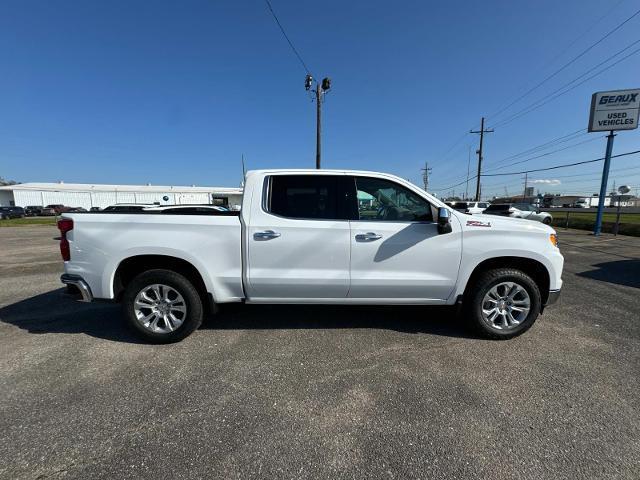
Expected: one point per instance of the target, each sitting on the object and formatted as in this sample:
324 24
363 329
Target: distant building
588 201
96 195
528 192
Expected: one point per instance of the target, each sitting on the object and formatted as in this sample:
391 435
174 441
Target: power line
558 166
275 17
543 146
618 170
595 175
453 186
551 143
570 62
548 153
549 98
538 169
573 60
579 37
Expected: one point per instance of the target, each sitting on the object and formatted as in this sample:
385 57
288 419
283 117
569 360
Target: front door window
382 200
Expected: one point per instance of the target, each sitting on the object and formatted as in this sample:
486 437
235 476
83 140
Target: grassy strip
581 223
632 218
19 222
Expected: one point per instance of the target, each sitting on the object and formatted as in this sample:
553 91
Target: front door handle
265 235
368 237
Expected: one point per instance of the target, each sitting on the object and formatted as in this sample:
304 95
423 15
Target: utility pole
320 90
466 188
524 193
482 131
425 175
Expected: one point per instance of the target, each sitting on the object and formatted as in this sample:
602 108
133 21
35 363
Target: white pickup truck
313 236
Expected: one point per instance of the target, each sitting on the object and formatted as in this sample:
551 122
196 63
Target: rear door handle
368 237
265 235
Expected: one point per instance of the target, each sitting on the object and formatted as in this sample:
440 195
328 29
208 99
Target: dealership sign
615 110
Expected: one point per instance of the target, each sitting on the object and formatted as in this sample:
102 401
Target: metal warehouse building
87 196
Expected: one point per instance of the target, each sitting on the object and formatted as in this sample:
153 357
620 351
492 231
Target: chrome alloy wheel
505 306
160 308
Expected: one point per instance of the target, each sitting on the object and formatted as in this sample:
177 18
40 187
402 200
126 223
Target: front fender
553 264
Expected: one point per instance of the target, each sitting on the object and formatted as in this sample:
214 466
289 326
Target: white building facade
88 195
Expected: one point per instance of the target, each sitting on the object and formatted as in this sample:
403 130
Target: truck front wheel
162 306
503 303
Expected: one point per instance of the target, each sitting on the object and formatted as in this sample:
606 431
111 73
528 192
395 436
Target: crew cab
313 237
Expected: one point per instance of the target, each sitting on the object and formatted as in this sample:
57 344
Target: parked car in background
47 212
473 208
11 212
582 203
58 208
76 210
128 207
95 209
459 206
33 211
188 209
477 207
519 210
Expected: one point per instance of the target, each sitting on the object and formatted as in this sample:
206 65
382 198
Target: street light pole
319 92
318 124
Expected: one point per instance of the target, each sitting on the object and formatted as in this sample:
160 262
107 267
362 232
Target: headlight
553 238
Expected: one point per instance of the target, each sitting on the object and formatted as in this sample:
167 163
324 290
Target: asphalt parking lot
321 392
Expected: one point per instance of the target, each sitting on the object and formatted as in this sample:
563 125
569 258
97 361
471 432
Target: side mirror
444 226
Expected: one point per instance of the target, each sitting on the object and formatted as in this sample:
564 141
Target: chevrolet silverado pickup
313 237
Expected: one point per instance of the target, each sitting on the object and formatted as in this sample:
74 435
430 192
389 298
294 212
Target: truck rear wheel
162 306
503 303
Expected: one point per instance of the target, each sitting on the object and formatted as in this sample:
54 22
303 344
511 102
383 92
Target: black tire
476 294
194 314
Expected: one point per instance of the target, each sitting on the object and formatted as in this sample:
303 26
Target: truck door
298 239
396 251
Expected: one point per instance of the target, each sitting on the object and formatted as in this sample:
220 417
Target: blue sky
167 92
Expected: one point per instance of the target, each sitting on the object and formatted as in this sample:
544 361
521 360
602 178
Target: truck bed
99 242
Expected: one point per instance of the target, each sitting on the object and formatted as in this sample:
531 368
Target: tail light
65 225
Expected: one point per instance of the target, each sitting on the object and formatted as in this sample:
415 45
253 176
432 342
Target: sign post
610 111
603 186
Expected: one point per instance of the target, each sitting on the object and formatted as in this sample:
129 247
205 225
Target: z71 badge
477 223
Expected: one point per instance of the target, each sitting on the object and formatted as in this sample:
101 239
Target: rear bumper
78 282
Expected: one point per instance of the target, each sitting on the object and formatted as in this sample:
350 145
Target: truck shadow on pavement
55 312
620 272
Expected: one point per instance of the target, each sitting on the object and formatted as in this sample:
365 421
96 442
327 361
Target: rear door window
313 197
